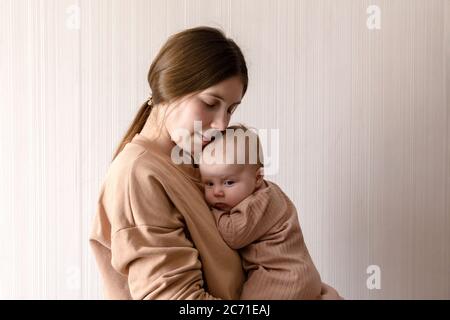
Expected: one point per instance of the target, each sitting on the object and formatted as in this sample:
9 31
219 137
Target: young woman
154 236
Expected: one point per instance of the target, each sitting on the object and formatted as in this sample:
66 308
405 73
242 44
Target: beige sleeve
153 251
241 226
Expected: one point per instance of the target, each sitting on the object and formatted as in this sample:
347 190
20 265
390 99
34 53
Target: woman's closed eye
210 104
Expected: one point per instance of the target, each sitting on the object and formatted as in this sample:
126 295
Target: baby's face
228 184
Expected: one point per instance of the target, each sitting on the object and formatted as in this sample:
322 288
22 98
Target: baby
256 217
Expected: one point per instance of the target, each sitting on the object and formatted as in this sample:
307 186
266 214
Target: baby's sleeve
242 225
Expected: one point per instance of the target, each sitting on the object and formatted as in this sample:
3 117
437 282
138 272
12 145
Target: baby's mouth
221 206
205 140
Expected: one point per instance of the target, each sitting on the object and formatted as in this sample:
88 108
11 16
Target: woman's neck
156 132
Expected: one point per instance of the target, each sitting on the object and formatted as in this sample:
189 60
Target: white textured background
363 118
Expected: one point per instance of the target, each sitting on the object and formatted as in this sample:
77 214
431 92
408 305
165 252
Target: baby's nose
218 192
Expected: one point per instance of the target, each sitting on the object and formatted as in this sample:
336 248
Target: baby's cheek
241 193
208 196
234 196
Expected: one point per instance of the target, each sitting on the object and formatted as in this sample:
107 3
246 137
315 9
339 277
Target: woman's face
212 106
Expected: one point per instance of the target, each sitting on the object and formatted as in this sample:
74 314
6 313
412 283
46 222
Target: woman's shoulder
133 162
141 159
134 192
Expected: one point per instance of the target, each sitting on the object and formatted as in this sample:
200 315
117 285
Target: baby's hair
250 135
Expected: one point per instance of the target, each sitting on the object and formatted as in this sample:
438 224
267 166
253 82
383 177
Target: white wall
363 118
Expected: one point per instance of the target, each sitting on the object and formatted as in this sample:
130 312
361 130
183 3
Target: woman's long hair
192 60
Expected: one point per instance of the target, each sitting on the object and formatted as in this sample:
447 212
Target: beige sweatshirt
153 235
265 229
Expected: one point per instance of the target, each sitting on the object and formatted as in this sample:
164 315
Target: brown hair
190 61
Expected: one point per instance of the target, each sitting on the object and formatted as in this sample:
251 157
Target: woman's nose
220 121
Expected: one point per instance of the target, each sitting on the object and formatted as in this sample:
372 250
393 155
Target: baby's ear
259 177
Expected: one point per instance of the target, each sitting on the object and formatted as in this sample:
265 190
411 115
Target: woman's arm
149 246
160 263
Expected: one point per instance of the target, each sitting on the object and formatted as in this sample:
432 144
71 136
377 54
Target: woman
153 235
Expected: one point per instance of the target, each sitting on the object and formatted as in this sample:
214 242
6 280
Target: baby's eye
228 183
209 184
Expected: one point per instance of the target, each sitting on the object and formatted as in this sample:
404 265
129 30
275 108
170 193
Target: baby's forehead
221 170
234 148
